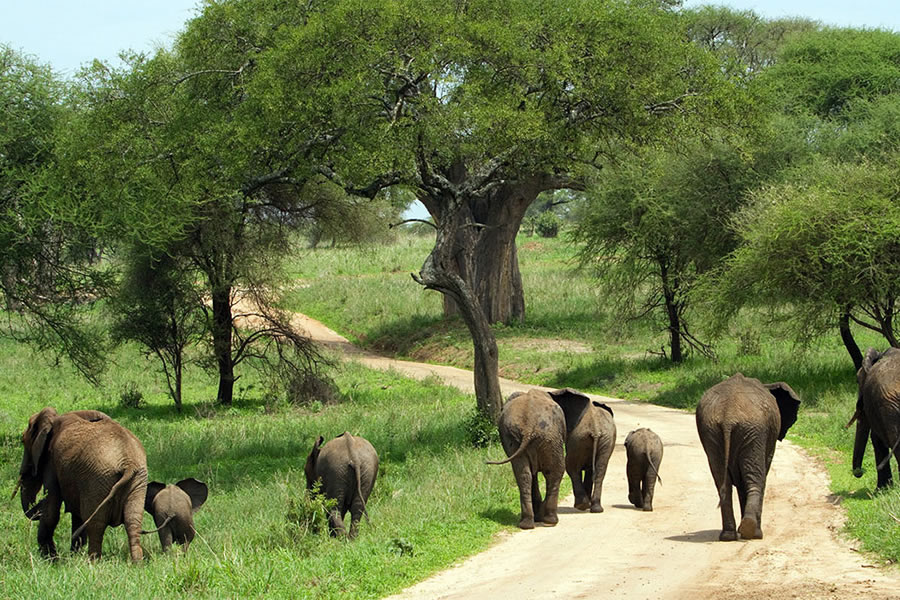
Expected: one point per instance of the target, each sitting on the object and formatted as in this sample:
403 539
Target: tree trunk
454 253
221 332
177 369
486 256
673 313
849 341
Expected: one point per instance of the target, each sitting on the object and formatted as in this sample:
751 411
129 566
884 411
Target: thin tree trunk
178 363
222 332
849 342
672 311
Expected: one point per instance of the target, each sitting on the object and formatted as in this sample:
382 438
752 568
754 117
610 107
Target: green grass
571 337
434 501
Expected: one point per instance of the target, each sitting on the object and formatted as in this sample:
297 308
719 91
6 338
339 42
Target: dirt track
672 552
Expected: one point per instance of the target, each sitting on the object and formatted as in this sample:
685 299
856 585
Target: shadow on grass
503 516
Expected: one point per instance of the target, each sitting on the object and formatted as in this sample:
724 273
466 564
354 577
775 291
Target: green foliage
547 224
131 397
307 515
481 430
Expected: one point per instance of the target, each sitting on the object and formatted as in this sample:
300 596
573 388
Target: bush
131 397
307 515
548 224
480 430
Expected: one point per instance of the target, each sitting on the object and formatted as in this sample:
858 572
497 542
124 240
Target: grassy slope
570 338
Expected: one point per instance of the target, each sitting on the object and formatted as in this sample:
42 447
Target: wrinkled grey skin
533 433
94 465
347 467
590 439
173 508
644 452
878 412
739 420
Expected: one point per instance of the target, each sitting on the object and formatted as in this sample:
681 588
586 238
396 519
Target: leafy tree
47 274
654 225
176 155
479 107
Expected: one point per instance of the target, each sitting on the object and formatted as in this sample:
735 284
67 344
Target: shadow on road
697 537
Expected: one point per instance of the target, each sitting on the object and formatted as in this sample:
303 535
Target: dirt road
671 553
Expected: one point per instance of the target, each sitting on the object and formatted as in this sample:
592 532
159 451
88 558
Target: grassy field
572 338
435 500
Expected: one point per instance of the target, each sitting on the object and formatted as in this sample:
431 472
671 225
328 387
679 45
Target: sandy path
672 552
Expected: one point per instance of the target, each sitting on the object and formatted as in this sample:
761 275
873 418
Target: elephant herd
98 468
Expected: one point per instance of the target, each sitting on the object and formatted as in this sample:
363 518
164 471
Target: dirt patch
552 345
531 246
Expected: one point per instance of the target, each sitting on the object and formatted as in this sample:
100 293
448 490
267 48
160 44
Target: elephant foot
728 536
749 529
596 508
550 520
647 508
583 505
526 523
636 500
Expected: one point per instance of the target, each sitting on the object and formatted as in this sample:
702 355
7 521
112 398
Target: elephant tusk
852 420
16 489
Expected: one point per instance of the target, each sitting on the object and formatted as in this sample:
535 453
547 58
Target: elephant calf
173 508
346 467
739 420
644 451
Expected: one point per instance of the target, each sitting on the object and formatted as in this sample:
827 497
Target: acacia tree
47 274
812 243
479 107
177 159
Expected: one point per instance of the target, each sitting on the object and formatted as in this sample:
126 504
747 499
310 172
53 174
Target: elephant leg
881 454
357 508
551 504
336 523
81 540
165 538
729 530
524 480
751 489
599 474
95 532
648 485
537 503
133 521
47 526
634 484
582 499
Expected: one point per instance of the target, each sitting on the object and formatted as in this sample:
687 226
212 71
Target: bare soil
672 552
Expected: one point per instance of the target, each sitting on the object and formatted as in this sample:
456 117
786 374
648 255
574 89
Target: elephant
739 420
533 433
644 452
173 508
878 412
590 439
346 467
93 464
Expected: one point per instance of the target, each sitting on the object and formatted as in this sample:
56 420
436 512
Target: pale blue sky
68 34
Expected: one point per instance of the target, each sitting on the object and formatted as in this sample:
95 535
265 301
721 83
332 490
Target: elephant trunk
30 484
859 444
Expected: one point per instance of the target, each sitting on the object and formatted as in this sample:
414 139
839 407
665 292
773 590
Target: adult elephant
346 467
878 412
739 421
94 465
533 433
590 439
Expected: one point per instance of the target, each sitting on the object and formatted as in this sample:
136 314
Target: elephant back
881 378
534 419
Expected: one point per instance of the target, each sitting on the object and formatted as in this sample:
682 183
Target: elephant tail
888 456
356 472
522 447
166 522
726 442
126 478
655 470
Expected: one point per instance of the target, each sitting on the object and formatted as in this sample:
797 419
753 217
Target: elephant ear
153 488
310 468
197 491
788 405
604 407
39 432
573 403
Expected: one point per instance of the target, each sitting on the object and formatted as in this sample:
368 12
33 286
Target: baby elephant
173 508
347 467
644 451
